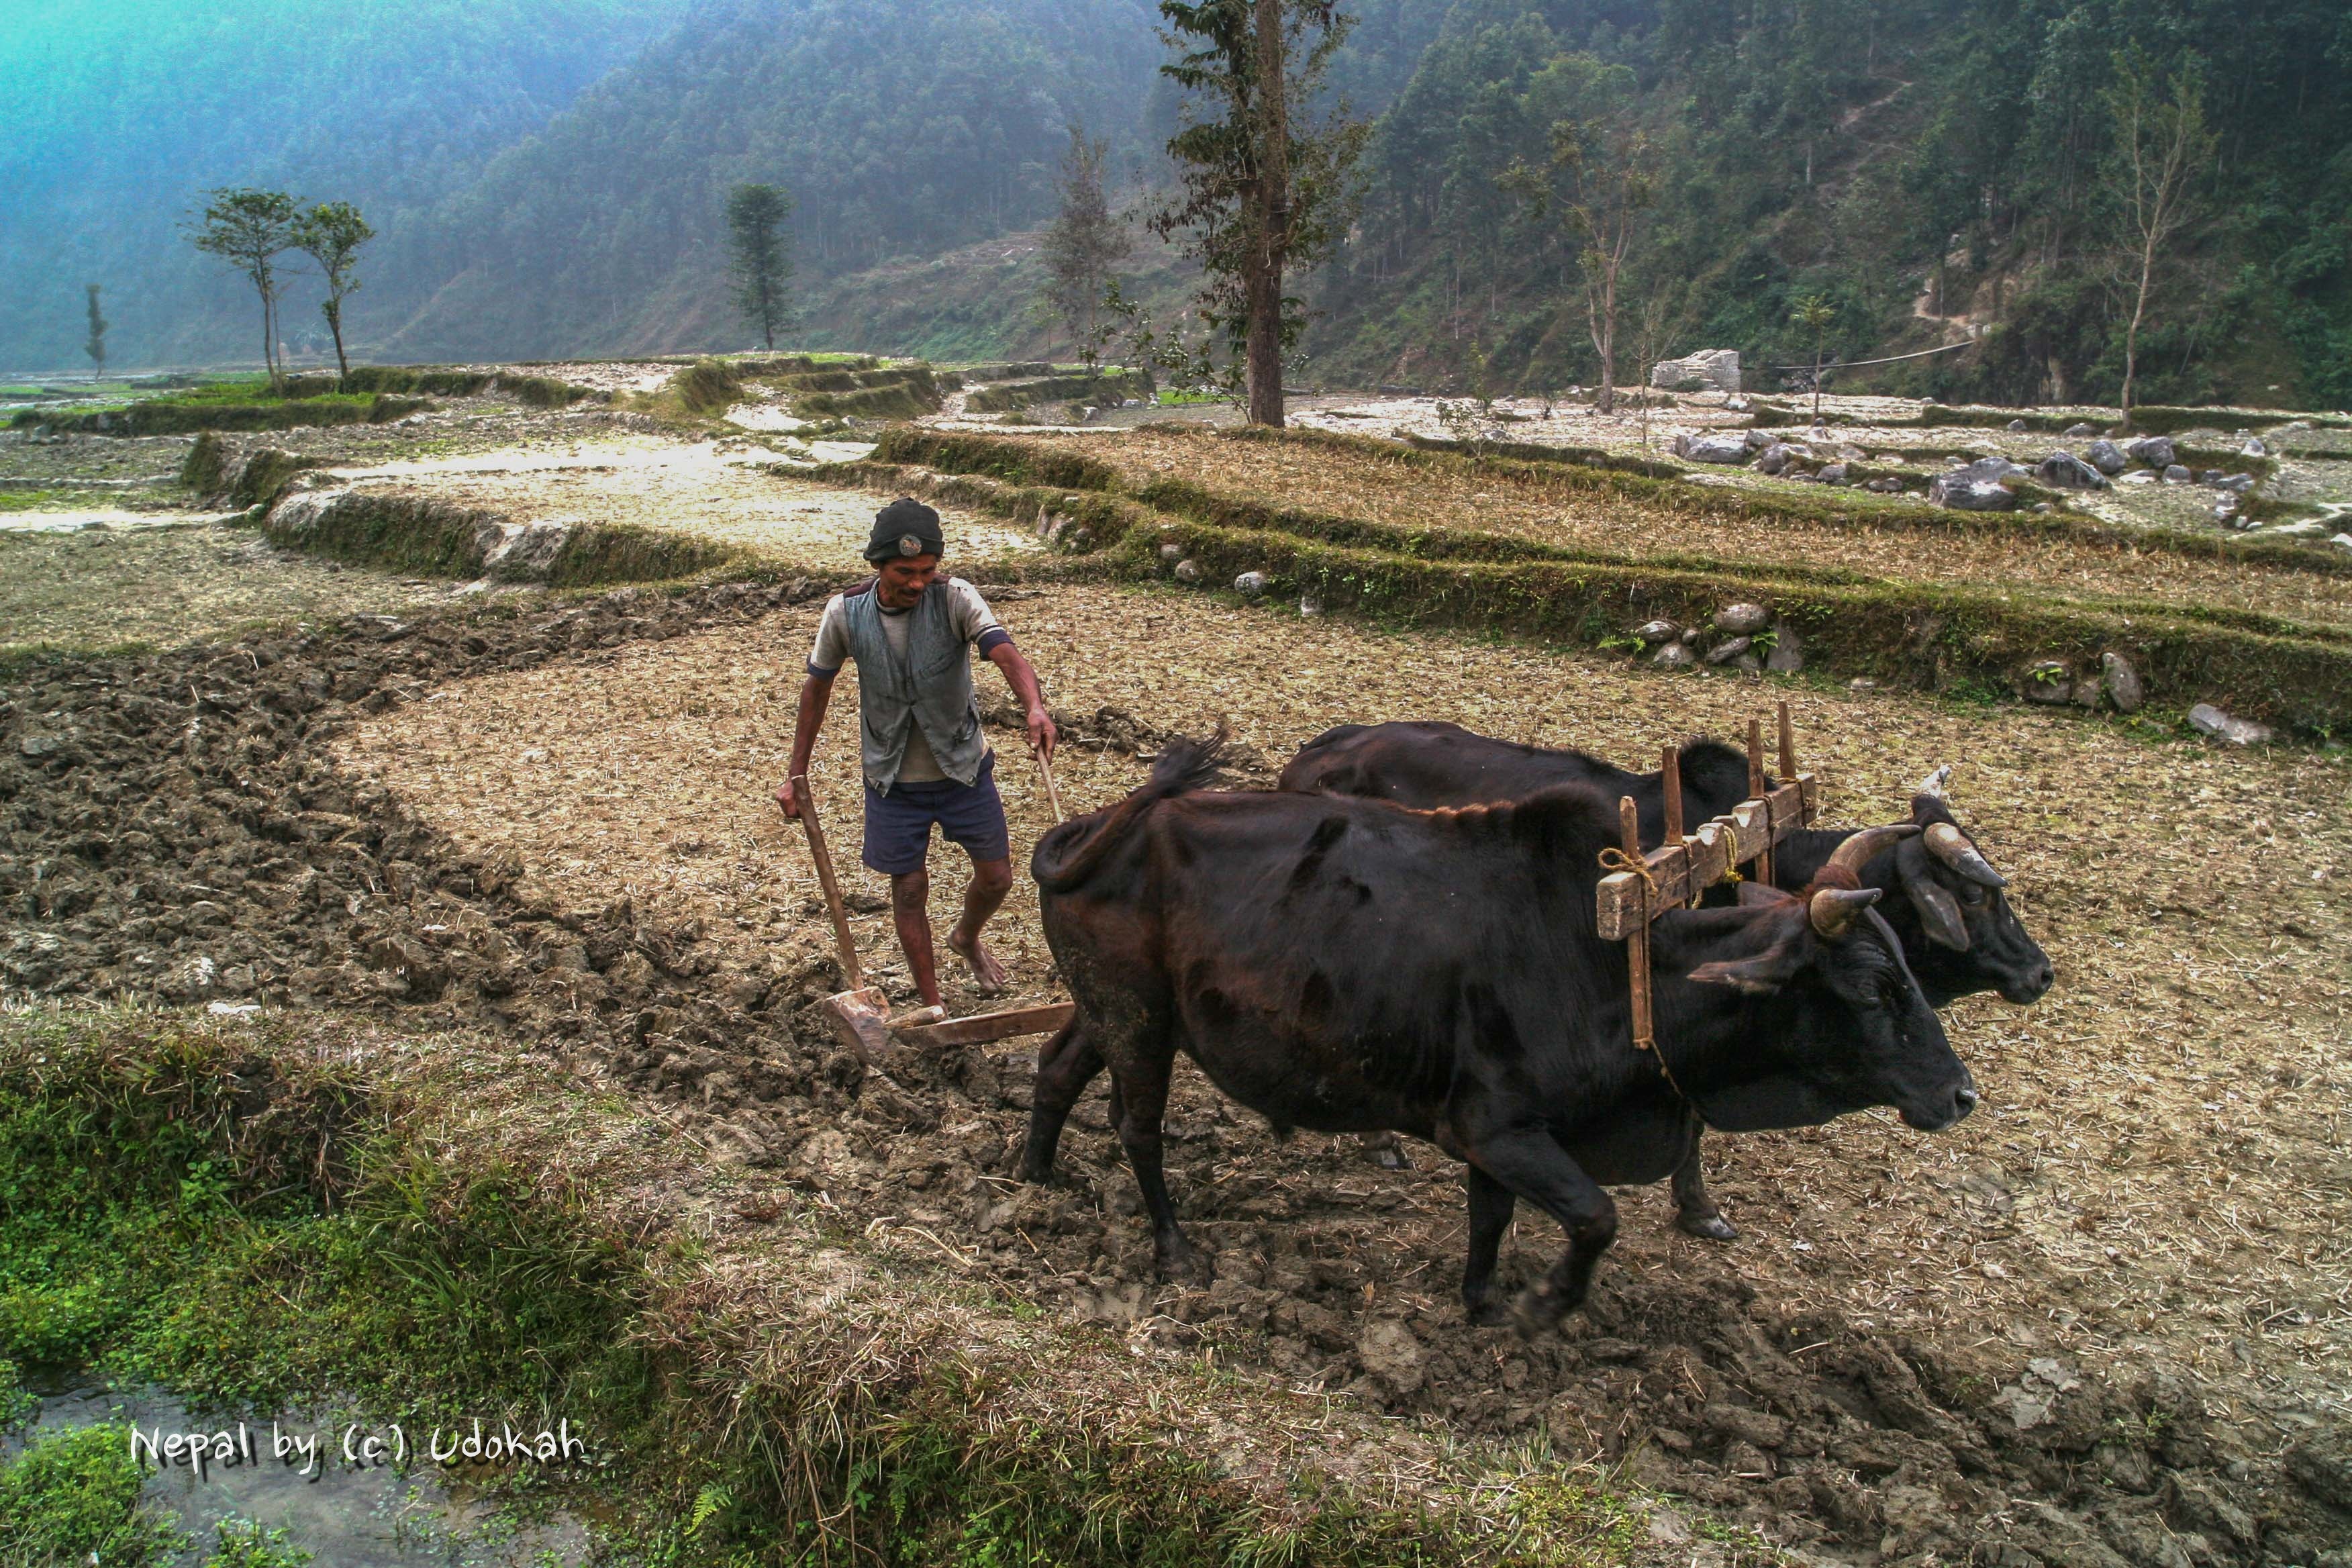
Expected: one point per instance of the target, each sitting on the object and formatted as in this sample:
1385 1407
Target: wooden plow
857 1015
1645 884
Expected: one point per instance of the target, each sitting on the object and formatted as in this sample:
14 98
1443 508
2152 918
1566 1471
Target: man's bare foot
987 974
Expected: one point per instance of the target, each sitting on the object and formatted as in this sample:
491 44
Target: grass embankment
416 533
431 1230
246 404
854 387
1585 576
1091 386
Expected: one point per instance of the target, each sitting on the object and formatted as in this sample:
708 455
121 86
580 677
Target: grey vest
932 686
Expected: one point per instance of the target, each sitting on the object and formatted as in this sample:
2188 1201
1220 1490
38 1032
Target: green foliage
247 1543
1083 244
1876 154
760 256
95 347
1222 156
72 1498
331 234
250 230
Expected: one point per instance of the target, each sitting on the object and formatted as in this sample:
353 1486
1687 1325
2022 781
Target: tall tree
1085 241
1602 175
1813 315
1264 184
331 234
762 261
96 347
2161 145
250 230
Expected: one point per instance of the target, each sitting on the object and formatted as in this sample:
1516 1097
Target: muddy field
135 580
2108 1318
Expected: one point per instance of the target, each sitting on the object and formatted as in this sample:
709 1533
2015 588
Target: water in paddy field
347 1514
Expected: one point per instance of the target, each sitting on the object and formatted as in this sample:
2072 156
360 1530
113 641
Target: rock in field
1728 649
2078 431
1787 655
2156 451
1250 583
2122 682
2236 484
1675 656
2068 471
2207 720
1742 619
1773 458
2049 681
1957 490
1715 368
2179 474
2106 457
1835 474
1188 570
1711 449
1655 632
1171 554
2017 427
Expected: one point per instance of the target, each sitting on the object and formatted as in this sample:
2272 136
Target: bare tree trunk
2131 334
1263 288
335 325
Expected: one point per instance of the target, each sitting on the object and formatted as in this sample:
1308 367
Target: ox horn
1833 910
1949 845
1868 844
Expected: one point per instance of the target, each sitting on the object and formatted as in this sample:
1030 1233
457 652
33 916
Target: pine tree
96 346
762 262
1084 243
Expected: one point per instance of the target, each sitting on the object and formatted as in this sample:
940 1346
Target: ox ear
1939 912
1927 810
1760 894
1759 976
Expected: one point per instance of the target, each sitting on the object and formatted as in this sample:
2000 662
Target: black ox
1350 965
1959 933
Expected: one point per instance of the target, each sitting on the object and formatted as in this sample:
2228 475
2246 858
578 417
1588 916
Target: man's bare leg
991 881
911 894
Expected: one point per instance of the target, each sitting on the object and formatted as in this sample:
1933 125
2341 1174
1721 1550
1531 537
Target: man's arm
1023 681
816 691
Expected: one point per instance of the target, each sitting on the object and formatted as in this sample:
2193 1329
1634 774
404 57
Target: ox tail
1067 856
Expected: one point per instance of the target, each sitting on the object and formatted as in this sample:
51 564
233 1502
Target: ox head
1958 927
1848 1025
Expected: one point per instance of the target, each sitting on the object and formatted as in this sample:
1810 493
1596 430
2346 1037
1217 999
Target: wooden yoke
1641 887
1637 937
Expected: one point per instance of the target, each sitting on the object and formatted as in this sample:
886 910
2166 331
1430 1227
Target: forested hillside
1927 166
902 128
120 112
549 179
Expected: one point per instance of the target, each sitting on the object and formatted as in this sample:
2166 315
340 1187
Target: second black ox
1350 965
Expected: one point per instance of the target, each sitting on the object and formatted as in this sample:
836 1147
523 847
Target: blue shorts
898 825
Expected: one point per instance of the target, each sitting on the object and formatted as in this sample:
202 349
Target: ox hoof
1709 1226
1537 1312
1182 1264
1386 1150
1490 1313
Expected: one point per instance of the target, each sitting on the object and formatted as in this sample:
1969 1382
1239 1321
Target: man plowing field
911 632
